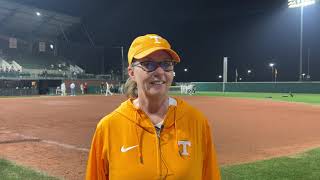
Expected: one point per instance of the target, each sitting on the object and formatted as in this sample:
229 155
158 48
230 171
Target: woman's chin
157 92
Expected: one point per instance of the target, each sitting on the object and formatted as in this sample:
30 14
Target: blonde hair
130 88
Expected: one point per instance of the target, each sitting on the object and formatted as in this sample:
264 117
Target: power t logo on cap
156 37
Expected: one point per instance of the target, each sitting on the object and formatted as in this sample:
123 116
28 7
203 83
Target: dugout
18 87
44 86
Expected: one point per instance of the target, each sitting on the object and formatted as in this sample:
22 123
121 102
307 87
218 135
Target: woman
151 135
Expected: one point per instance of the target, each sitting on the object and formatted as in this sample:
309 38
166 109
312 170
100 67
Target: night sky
251 33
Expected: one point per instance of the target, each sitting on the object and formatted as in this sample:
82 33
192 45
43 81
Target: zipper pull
158 130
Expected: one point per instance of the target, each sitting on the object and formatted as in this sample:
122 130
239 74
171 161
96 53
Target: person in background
58 90
63 89
152 135
108 91
82 88
85 88
102 88
73 89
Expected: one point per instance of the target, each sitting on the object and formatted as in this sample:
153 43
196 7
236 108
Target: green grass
11 171
297 97
304 166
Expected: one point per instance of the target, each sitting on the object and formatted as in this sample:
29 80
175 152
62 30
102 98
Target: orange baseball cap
142 46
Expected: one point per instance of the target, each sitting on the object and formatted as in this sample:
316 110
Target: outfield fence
18 92
274 87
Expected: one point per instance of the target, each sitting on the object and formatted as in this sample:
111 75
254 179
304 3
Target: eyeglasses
150 66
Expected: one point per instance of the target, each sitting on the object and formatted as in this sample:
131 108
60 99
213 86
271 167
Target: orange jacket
126 146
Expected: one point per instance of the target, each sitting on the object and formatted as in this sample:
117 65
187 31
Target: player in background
63 89
108 91
82 88
73 89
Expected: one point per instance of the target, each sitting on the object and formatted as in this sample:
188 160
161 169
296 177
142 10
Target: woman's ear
131 72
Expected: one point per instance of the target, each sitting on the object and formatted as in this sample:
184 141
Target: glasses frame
142 65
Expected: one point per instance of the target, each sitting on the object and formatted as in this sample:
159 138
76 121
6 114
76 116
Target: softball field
53 134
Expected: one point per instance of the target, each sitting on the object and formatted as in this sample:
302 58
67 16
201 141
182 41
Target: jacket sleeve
97 167
211 169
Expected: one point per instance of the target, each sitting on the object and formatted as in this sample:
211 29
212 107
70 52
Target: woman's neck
153 105
155 108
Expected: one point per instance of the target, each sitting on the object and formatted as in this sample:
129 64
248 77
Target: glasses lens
150 66
166 65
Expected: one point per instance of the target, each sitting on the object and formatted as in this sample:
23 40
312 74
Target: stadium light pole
122 62
308 75
271 65
301 4
249 75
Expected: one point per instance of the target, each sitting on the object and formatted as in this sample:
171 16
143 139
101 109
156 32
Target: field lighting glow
300 3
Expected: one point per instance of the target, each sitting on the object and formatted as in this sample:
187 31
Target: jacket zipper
158 139
159 143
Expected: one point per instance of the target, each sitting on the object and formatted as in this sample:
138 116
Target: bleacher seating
37 62
18 65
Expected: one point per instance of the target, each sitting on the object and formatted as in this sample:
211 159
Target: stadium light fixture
303 74
38 13
300 3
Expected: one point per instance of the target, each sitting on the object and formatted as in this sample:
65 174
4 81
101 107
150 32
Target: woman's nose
159 70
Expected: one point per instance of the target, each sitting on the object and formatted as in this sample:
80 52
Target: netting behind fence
276 87
175 90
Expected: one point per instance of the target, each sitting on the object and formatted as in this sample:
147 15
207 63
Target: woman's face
153 83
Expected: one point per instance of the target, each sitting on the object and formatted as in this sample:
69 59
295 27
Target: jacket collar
136 115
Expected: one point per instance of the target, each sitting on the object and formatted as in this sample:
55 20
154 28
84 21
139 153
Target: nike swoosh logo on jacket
125 149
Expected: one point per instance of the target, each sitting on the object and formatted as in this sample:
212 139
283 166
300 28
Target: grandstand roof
28 20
